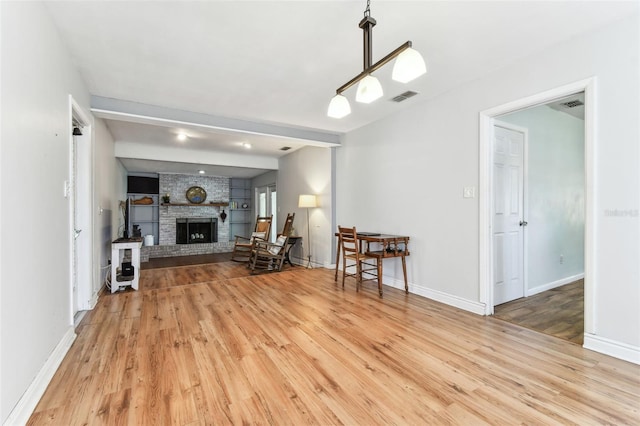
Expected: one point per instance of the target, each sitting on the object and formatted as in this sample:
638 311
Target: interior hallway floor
558 312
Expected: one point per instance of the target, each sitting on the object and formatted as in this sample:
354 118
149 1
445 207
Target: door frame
85 297
487 119
525 199
269 207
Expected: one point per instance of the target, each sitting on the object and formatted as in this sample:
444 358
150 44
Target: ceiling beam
117 109
192 156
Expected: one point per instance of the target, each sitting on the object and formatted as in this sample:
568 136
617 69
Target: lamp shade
408 66
307 201
339 107
369 89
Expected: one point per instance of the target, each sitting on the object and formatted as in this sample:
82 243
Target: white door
75 226
508 216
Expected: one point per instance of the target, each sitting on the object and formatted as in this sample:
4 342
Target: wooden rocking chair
268 256
243 245
288 225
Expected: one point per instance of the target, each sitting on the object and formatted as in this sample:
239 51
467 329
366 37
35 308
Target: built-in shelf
239 218
197 205
145 216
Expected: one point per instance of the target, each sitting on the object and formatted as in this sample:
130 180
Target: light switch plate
469 192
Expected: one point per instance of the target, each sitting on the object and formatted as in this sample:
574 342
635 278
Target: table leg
337 260
287 259
404 271
379 265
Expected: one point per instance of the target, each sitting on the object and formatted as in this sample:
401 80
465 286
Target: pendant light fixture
408 66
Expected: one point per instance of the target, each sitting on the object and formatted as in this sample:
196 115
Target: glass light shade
369 89
408 66
339 107
307 201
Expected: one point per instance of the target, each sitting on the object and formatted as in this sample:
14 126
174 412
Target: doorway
488 120
545 241
79 191
266 202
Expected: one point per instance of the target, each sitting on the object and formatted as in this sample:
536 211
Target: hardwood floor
558 312
196 346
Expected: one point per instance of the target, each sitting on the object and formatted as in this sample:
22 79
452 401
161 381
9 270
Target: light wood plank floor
197 346
558 312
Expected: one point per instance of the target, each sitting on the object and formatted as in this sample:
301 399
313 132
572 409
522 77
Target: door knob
523 223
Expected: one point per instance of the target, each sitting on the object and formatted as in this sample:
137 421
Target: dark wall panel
143 185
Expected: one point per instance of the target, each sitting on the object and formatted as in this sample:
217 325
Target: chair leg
344 271
379 267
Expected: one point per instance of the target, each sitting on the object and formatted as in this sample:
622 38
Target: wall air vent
404 96
572 104
285 148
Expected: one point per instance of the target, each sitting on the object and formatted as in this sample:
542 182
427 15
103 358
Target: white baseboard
25 406
552 285
612 348
439 296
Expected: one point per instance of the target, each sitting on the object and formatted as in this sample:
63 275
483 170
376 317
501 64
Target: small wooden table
387 246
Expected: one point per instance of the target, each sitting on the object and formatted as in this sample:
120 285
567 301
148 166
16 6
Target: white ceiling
280 62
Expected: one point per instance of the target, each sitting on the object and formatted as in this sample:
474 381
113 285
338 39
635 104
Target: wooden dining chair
243 245
364 265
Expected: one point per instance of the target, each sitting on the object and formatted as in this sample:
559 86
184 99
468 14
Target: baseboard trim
438 296
554 284
612 348
25 406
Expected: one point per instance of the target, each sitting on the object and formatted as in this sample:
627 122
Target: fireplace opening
196 230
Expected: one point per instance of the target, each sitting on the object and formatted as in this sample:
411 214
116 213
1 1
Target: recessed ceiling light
182 137
201 172
246 145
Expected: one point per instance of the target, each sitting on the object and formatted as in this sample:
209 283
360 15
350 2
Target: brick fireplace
217 189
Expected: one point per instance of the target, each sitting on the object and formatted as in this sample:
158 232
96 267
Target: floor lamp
308 202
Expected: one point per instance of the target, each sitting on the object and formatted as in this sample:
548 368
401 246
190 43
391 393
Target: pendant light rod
372 68
367 25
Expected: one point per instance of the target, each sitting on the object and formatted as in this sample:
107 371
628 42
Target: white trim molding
552 285
25 406
612 348
436 295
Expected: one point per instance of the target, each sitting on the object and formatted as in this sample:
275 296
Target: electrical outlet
561 259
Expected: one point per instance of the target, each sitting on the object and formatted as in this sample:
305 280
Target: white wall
405 174
308 171
37 78
109 175
555 197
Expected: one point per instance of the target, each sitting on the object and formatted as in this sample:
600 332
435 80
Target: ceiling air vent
404 96
572 104
285 148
